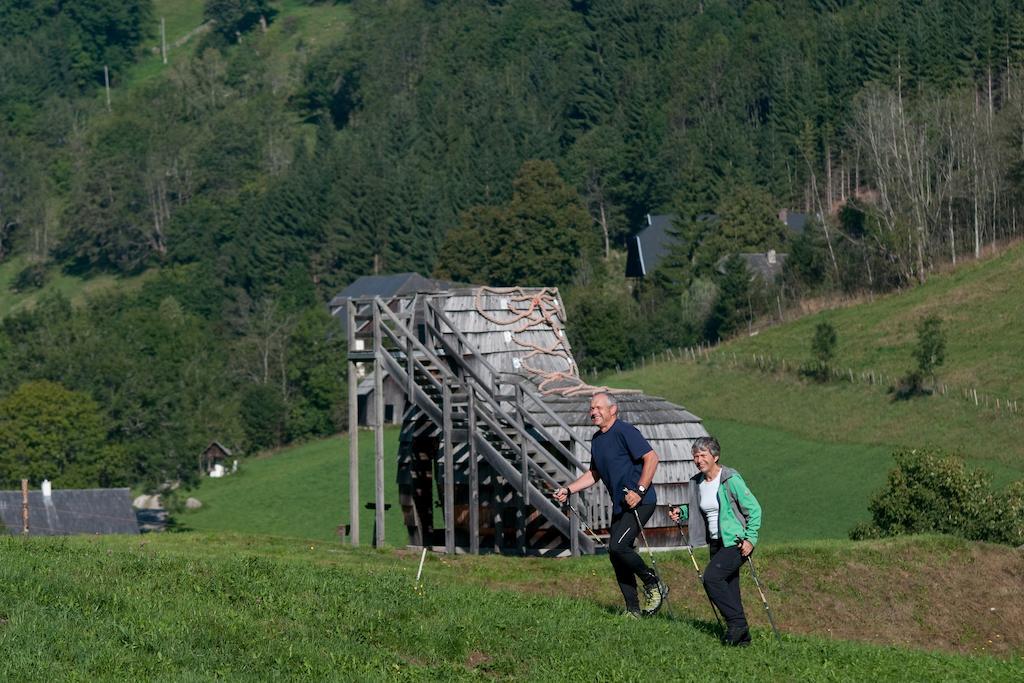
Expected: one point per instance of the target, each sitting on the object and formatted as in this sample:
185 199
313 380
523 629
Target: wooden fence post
24 507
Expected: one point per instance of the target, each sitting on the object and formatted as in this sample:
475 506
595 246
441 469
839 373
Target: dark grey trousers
722 580
625 560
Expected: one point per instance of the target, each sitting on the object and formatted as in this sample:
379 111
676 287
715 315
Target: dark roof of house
70 511
386 287
218 446
646 249
794 220
767 266
389 285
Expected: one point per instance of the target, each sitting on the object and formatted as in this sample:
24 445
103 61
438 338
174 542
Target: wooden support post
449 468
106 83
378 425
474 476
410 369
353 453
24 507
353 433
524 474
498 509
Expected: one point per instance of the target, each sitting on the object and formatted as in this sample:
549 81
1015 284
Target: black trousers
625 560
722 580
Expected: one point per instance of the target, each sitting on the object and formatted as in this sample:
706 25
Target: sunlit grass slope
75 288
300 492
980 304
195 607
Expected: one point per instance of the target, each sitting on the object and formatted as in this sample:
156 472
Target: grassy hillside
75 288
298 27
196 606
300 492
303 492
979 303
985 329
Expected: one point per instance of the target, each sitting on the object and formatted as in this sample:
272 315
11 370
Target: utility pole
24 507
163 39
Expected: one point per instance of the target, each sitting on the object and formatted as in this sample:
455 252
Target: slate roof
396 284
766 266
385 286
646 249
70 511
796 221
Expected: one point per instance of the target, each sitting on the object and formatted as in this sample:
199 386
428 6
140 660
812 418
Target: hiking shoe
631 614
655 594
737 637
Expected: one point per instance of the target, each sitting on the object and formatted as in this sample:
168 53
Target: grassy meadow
300 492
198 607
75 288
303 492
298 26
978 302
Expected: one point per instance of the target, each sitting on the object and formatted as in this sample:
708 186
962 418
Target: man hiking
624 460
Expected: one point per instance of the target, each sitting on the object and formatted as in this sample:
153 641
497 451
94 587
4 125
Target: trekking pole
569 505
644 538
662 589
700 575
654 563
764 601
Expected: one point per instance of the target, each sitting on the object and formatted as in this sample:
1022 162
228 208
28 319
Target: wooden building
213 455
498 417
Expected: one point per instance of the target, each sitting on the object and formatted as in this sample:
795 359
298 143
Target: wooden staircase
481 420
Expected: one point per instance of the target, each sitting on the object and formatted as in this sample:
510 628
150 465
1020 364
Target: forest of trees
514 142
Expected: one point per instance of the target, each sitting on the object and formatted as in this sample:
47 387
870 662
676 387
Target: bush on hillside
932 493
929 353
29 278
823 350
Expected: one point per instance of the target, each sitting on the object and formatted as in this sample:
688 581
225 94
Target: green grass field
833 414
201 607
979 304
298 26
807 489
75 288
301 492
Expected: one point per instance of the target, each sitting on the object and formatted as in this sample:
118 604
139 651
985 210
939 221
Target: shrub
929 353
931 493
29 278
823 351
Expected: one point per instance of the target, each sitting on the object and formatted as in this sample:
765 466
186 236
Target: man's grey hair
610 397
707 444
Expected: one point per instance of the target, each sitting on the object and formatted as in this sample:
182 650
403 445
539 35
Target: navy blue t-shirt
617 455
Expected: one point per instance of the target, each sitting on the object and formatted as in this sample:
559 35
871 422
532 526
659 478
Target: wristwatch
642 489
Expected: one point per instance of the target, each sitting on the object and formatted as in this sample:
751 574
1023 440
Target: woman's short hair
707 444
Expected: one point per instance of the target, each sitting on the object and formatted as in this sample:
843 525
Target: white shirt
709 502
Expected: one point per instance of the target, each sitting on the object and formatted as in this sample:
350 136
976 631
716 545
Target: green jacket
739 513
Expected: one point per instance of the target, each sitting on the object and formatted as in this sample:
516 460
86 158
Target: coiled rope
542 309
